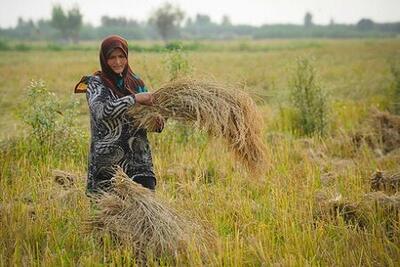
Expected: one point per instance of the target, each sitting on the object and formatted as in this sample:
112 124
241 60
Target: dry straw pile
65 179
388 182
381 131
216 109
387 127
379 207
373 207
135 217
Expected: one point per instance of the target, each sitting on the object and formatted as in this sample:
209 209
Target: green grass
265 220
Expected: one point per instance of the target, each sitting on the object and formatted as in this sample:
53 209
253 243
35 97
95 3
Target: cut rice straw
135 217
220 111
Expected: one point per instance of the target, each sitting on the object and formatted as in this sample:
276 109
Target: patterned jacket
114 141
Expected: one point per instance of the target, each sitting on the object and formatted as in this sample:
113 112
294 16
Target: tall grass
395 94
258 222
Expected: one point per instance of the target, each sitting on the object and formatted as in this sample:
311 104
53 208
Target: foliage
59 20
4 46
365 25
41 111
309 100
52 123
54 47
167 19
199 27
176 61
308 20
68 24
74 23
22 47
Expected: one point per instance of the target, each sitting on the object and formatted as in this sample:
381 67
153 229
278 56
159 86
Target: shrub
4 46
136 48
23 47
309 100
41 111
172 46
176 63
54 47
52 124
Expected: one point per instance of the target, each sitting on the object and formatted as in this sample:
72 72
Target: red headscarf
109 77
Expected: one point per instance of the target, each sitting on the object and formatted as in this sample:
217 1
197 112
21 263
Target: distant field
258 220
355 70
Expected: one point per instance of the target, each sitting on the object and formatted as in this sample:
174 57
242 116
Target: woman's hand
160 123
156 124
145 99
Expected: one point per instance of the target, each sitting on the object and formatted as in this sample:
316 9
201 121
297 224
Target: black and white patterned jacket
114 141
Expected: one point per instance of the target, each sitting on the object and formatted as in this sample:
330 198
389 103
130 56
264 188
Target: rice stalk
136 218
219 111
373 208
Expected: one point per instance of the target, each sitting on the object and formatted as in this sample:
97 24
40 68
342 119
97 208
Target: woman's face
117 61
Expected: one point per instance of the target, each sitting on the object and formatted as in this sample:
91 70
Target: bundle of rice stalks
388 203
135 217
387 127
220 111
384 210
382 132
372 208
331 208
65 179
385 181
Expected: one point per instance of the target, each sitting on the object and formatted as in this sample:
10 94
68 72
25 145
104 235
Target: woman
114 141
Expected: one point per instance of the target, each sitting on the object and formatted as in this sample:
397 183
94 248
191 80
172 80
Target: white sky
253 12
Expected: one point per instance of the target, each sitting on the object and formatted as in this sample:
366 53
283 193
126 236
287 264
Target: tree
365 25
59 21
74 23
226 21
107 21
308 20
189 22
68 24
167 20
202 19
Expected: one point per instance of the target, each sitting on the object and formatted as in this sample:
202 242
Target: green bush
177 64
136 48
41 111
53 125
23 47
54 47
173 46
4 46
309 101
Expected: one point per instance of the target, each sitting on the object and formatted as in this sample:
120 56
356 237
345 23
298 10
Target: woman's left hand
144 99
159 124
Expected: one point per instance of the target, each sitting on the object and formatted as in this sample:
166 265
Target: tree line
168 22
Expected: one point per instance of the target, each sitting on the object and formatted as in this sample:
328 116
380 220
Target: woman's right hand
145 99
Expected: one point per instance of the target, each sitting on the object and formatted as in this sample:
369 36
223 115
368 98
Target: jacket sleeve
101 104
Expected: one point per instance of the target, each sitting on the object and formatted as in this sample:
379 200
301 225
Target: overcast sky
253 12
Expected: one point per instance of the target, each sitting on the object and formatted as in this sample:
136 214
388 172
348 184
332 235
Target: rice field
314 205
